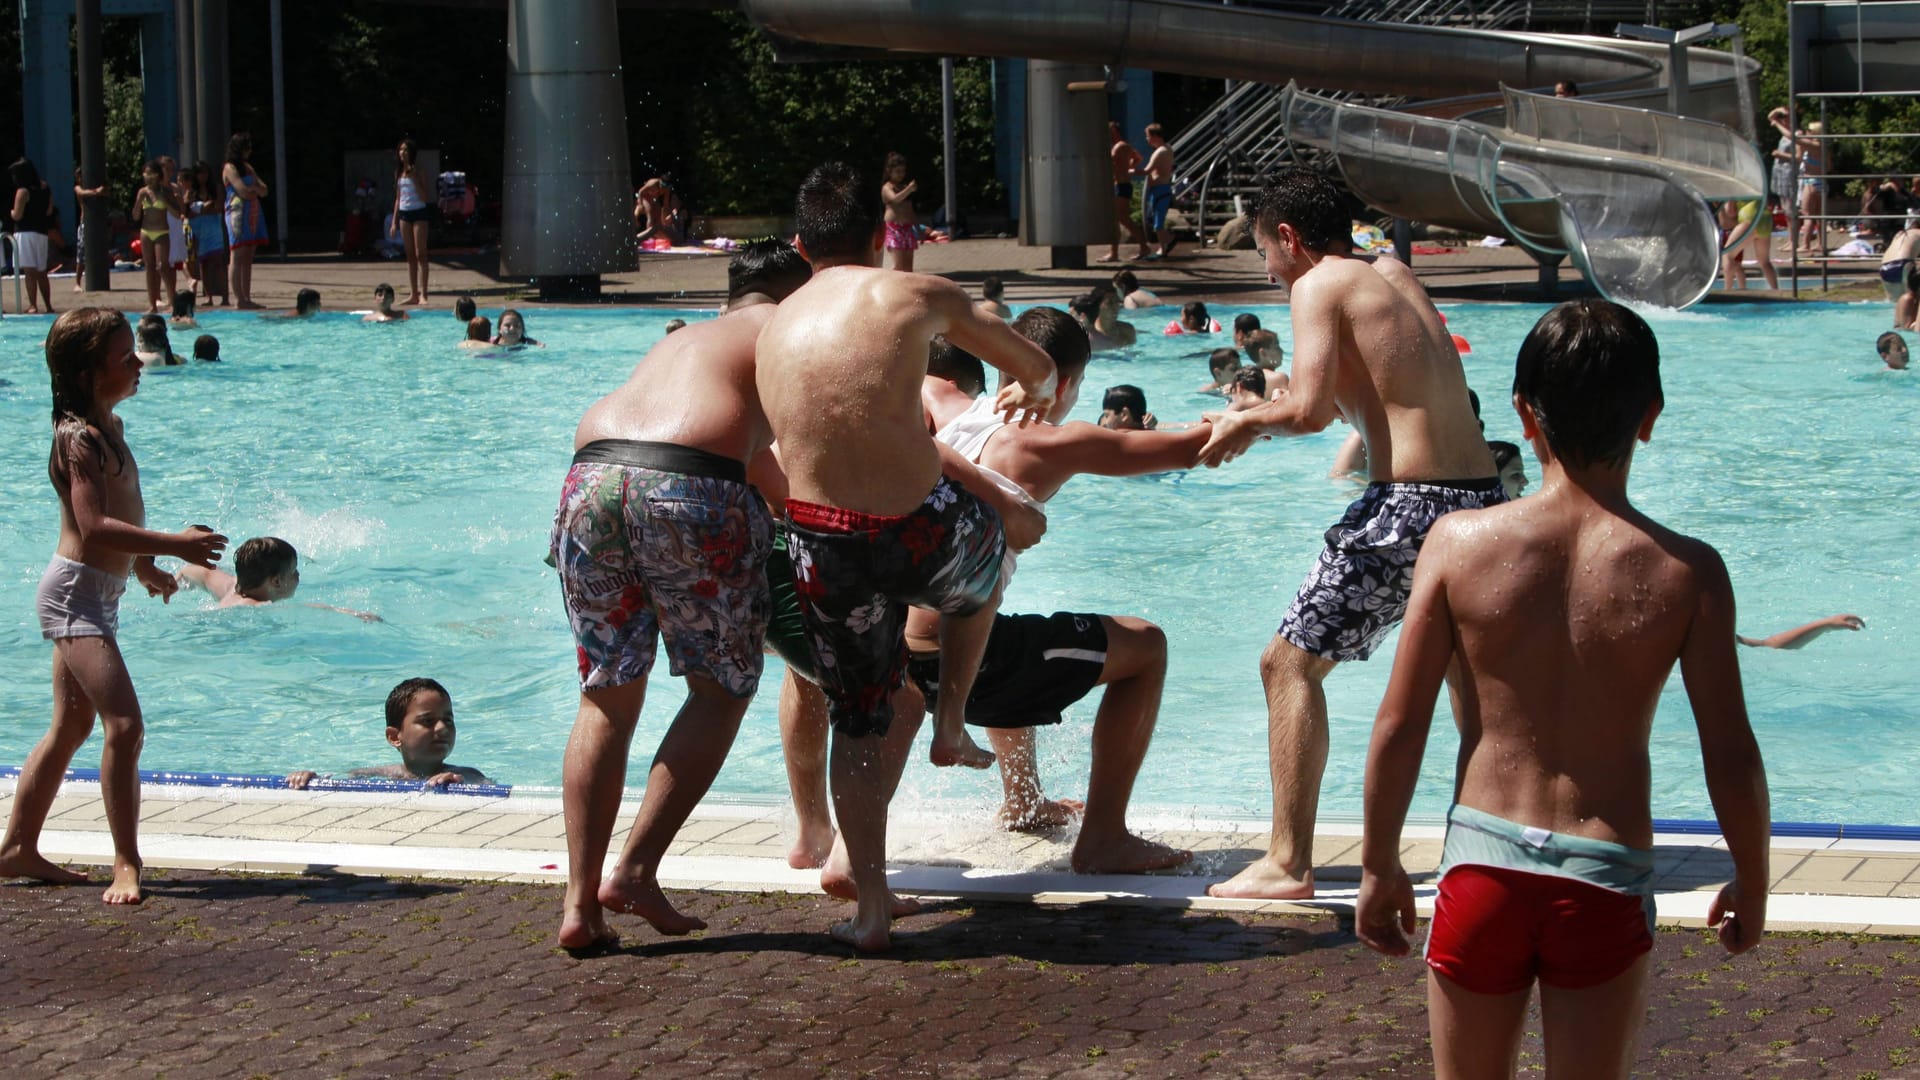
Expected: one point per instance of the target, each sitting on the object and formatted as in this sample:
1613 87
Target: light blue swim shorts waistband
1477 838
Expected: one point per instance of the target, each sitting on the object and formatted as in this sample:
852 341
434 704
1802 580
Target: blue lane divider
267 780
1816 830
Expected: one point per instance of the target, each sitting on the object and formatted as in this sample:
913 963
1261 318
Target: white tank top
968 433
410 195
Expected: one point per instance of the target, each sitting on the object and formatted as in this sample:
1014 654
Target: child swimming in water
383 306
513 330
103 539
479 333
420 726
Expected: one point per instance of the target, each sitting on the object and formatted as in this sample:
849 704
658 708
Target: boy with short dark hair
1263 346
383 305
1127 286
1892 349
420 726
1547 869
266 569
206 347
1124 408
1223 365
991 292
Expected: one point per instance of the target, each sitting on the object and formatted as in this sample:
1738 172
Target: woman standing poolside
207 230
32 216
246 221
1813 188
410 214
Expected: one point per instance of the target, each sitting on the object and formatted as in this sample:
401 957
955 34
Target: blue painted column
1010 128
159 85
46 78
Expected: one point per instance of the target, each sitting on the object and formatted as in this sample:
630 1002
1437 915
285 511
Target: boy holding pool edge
1547 869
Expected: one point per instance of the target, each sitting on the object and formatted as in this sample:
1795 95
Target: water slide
1627 193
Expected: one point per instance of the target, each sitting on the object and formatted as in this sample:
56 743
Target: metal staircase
1226 152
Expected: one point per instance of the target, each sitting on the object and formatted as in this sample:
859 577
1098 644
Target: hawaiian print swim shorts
1357 591
642 550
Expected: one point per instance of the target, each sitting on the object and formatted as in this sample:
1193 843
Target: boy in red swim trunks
1568 610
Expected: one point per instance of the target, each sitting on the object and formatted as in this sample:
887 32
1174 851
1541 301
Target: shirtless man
1367 346
658 533
1562 653
1126 160
1158 198
872 523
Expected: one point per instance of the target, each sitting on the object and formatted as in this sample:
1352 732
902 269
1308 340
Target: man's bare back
694 389
1369 346
840 365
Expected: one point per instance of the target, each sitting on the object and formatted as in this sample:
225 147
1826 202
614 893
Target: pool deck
1843 886
1464 274
343 934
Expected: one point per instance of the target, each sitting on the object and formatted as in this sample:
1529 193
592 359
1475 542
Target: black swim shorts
1034 667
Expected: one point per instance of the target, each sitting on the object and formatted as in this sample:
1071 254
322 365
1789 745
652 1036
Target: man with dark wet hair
1370 347
872 521
766 267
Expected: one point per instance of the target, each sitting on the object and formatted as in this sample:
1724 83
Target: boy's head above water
306 302
266 568
420 724
1124 408
1893 350
1513 471
1589 375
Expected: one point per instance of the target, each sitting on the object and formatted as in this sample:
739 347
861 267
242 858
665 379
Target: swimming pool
418 481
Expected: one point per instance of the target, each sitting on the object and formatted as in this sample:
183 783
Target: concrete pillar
46 76
1067 199
212 120
93 140
189 149
159 86
567 186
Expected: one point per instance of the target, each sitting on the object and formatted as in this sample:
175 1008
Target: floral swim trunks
902 237
1357 591
856 574
653 538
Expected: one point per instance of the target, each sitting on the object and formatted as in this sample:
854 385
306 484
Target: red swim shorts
1496 930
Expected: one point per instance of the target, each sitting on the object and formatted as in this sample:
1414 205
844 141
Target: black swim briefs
1034 667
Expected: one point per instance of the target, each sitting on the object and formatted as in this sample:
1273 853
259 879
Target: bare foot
410 301
811 848
32 864
1264 880
585 928
248 305
960 751
863 938
125 888
1044 816
837 883
635 895
1107 258
1129 854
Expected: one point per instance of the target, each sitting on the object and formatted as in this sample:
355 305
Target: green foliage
126 137
740 130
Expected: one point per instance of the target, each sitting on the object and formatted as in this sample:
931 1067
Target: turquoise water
418 481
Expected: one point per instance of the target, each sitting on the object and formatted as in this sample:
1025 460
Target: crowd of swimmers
824 472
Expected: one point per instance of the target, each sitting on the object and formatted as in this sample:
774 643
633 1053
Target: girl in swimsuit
897 193
410 213
1813 188
151 206
246 221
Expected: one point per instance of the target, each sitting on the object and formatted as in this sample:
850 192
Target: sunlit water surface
418 481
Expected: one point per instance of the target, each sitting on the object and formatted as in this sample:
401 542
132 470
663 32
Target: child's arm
218 583
1023 525
87 495
1089 448
456 774
363 616
1383 914
1736 777
1800 635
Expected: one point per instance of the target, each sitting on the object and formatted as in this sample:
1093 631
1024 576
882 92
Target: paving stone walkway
321 976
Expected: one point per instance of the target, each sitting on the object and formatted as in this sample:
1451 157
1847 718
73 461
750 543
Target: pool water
418 481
